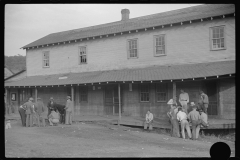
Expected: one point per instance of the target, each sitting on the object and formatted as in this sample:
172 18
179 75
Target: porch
215 123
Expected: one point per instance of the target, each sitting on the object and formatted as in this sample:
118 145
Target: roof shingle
138 74
176 16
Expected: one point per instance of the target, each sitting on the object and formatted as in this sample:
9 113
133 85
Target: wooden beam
72 96
36 95
174 91
119 98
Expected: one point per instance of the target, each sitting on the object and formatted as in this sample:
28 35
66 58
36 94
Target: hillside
15 63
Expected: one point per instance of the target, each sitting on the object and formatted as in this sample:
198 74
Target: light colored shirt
204 117
54 115
149 117
69 105
181 116
184 97
194 115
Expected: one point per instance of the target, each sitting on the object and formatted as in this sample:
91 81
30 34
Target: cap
51 98
170 101
31 99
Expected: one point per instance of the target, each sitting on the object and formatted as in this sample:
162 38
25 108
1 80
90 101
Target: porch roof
153 73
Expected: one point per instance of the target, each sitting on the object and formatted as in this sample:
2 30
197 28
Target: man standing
194 118
51 105
182 117
29 112
39 108
205 101
184 99
174 122
149 120
69 109
21 111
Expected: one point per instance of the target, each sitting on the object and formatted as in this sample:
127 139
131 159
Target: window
46 59
217 38
132 48
13 96
144 93
161 92
159 45
82 55
83 94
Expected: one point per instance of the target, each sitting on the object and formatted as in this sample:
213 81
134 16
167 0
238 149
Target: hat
31 99
170 101
68 97
200 110
51 98
192 104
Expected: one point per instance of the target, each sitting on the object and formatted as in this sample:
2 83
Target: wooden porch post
72 95
119 97
36 95
174 92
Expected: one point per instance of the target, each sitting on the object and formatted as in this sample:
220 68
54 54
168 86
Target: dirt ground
99 139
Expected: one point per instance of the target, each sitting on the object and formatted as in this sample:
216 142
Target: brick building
137 63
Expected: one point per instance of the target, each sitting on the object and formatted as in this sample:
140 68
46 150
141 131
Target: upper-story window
46 59
132 48
82 55
159 45
217 38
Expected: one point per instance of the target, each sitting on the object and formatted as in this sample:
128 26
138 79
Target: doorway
111 106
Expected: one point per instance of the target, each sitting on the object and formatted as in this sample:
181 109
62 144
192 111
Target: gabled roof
154 73
154 20
7 72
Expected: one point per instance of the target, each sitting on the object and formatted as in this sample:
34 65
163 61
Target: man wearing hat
51 106
29 112
195 119
39 109
69 109
205 102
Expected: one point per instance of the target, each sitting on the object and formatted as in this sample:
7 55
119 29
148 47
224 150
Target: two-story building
136 64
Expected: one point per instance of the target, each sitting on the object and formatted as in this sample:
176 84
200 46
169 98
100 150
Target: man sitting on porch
149 120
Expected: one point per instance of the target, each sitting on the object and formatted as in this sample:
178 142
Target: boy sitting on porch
149 120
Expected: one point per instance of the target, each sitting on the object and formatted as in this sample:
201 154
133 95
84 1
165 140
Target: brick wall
184 44
227 98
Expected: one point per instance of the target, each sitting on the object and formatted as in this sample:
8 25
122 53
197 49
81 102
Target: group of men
179 114
32 113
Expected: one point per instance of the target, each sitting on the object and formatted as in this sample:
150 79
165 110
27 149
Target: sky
26 23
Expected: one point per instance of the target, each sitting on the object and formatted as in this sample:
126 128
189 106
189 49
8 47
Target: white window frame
79 55
128 48
155 46
43 59
212 38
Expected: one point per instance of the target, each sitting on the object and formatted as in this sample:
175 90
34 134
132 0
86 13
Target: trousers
23 116
175 128
40 120
29 120
149 125
185 125
194 129
68 118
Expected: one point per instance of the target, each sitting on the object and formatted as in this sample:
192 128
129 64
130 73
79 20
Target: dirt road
98 140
